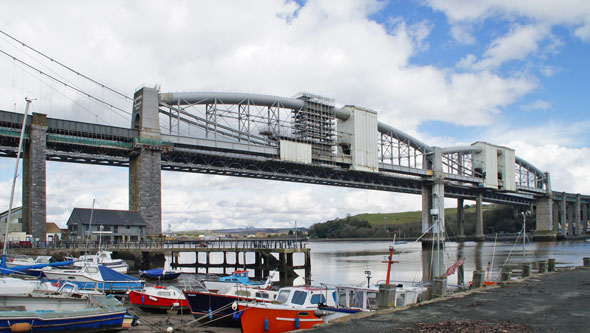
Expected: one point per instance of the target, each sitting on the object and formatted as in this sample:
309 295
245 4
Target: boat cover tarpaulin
112 275
24 268
154 272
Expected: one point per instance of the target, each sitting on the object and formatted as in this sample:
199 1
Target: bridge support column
433 204
479 236
570 218
34 179
563 214
585 218
555 207
545 230
460 222
144 165
577 213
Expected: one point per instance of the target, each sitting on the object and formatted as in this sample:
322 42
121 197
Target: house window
128 227
116 229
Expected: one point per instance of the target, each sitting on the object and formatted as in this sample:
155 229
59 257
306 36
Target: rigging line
66 98
70 69
65 84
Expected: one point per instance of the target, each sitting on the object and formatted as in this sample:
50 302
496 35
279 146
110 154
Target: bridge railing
226 244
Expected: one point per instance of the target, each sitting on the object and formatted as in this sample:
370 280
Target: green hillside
409 224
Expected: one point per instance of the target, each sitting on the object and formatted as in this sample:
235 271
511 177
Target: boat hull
36 323
46 312
215 305
147 301
268 319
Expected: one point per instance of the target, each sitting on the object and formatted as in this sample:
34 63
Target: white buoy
170 329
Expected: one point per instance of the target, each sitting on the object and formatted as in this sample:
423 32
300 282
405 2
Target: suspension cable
64 83
65 66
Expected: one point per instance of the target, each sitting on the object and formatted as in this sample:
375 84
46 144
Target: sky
512 73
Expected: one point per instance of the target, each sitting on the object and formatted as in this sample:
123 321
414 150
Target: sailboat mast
89 227
20 144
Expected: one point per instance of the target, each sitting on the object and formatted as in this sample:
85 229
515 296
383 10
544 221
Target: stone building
112 225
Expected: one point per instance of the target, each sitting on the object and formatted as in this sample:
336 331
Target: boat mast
20 144
89 226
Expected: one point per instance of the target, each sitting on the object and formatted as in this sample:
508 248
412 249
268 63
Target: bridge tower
145 185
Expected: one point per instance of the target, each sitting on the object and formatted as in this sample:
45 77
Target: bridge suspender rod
66 67
66 84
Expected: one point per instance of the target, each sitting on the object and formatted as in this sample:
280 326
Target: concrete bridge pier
145 184
570 218
563 214
34 179
460 222
577 214
479 236
433 204
584 226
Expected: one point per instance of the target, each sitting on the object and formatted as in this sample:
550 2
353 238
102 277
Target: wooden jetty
269 254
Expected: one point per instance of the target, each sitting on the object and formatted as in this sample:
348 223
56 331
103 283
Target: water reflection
346 262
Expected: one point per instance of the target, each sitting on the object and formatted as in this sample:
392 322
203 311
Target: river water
345 262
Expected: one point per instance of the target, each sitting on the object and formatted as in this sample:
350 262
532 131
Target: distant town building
16 224
111 225
54 233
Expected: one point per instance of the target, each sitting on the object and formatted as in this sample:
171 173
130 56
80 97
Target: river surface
345 262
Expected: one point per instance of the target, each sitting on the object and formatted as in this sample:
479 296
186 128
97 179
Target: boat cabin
307 297
236 276
248 292
357 297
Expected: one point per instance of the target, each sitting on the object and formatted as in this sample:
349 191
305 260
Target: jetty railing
261 243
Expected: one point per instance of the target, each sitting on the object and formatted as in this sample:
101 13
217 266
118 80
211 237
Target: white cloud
519 43
566 165
537 105
573 13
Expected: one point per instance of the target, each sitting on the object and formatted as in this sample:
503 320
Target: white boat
15 286
98 277
22 260
103 258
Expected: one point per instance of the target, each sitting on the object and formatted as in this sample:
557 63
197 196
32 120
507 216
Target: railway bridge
305 138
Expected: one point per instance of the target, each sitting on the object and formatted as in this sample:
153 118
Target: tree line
497 219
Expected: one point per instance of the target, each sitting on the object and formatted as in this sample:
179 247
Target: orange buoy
20 327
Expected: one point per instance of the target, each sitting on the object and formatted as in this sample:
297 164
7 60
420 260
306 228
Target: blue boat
237 277
160 274
96 277
46 312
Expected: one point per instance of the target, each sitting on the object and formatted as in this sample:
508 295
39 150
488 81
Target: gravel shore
547 302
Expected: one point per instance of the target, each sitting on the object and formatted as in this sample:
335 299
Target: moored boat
102 257
159 298
97 277
160 274
296 308
36 312
236 277
218 305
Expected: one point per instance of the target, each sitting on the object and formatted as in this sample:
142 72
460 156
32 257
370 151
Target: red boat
159 298
297 308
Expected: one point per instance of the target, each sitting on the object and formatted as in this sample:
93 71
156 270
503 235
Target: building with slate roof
114 225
